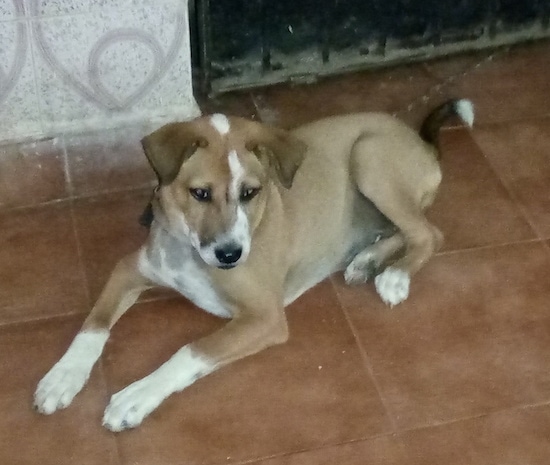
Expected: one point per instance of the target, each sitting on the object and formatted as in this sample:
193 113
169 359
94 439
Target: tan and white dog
248 217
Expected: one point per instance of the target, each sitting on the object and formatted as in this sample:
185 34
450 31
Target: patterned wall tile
19 108
71 7
105 68
11 9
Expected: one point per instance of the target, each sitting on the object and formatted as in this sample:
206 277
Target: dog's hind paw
359 271
392 285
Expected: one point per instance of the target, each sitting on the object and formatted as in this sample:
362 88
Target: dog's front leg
244 335
68 376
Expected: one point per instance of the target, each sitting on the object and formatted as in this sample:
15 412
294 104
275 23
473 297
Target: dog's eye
202 195
248 193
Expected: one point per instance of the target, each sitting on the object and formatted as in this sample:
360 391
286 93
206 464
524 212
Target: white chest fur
171 262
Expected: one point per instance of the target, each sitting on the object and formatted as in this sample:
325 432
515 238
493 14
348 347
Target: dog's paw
129 407
392 285
58 388
360 270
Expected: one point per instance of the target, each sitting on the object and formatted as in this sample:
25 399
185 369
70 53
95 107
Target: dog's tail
463 108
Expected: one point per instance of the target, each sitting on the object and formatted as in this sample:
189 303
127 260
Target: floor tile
473 208
505 438
108 161
454 66
231 103
41 272
473 337
384 450
518 436
383 90
108 229
31 173
519 153
71 436
510 87
311 391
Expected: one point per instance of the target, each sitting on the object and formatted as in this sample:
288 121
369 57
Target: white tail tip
465 110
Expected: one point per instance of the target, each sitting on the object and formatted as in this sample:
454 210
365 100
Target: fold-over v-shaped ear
168 147
285 151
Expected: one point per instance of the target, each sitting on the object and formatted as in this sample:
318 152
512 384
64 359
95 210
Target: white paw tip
392 285
57 389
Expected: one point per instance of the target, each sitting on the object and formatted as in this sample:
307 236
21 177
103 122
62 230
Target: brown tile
510 87
519 153
415 114
71 436
450 67
472 207
108 229
232 103
108 161
306 393
41 272
384 90
31 173
473 336
505 438
386 450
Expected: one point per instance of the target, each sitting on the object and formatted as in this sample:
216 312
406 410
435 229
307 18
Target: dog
246 218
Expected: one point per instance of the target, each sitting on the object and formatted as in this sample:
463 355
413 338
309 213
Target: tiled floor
459 374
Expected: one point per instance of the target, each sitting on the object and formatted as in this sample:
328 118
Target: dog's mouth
223 266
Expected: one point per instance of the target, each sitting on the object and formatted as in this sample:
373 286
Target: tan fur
362 185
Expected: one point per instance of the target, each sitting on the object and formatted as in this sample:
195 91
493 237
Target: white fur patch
187 278
69 375
220 123
129 407
465 110
237 172
392 285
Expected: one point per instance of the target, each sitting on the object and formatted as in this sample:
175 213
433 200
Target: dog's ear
284 152
168 147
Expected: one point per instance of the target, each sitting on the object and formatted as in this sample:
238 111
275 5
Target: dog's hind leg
401 177
368 263
68 376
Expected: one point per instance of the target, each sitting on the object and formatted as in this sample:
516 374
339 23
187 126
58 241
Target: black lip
227 267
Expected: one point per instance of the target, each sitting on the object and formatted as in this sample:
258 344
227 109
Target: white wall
74 65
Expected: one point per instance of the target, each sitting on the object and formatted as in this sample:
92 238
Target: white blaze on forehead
237 173
220 123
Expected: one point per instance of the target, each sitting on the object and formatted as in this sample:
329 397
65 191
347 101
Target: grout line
80 256
39 319
85 196
511 120
67 168
489 246
395 434
510 191
451 79
365 358
488 414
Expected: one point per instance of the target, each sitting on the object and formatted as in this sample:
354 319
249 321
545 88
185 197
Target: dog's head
214 174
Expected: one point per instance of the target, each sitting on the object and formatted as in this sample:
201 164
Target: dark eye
202 195
248 193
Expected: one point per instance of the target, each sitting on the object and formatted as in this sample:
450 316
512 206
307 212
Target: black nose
228 254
